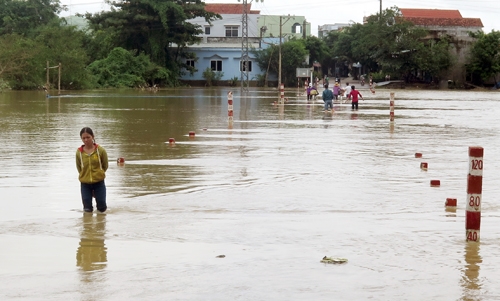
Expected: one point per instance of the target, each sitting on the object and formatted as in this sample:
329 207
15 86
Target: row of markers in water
450 202
474 192
171 141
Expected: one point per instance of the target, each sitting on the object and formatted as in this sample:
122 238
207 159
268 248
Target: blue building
221 42
220 48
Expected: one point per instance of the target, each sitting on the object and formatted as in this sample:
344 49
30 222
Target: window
296 28
216 65
207 30
231 31
190 63
242 66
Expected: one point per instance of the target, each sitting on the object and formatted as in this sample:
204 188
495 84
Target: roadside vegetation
143 43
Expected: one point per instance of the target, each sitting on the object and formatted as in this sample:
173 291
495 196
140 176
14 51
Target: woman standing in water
92 163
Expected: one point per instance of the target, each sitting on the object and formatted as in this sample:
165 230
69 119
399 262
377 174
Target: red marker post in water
230 106
451 202
391 105
474 194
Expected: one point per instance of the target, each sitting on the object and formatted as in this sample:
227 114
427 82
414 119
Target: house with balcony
220 47
221 41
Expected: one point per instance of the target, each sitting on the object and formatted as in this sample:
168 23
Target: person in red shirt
354 97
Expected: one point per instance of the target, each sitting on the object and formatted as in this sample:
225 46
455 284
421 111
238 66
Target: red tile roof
446 22
438 17
430 13
228 8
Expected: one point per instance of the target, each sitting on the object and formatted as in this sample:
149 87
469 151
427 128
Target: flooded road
274 191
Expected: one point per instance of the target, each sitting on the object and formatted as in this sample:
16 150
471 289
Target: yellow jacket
91 168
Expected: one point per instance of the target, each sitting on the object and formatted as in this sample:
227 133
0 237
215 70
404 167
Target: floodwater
274 191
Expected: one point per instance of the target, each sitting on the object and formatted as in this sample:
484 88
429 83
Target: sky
320 12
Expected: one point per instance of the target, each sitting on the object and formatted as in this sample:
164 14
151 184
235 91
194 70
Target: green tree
293 54
387 42
485 56
267 59
123 69
340 51
99 43
18 62
317 51
393 45
65 45
22 16
155 28
433 58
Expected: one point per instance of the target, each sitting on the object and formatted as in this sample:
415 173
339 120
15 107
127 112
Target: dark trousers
354 104
98 190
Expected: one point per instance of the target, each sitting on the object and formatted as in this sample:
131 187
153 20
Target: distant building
323 30
451 24
291 26
220 48
79 22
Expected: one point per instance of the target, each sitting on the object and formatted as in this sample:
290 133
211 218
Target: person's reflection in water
470 281
281 111
91 255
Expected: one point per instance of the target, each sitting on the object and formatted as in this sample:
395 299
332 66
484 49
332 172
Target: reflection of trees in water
471 281
91 254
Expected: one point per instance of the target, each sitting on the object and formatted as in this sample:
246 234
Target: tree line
145 43
136 43
385 45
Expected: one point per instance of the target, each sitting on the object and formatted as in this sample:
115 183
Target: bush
211 77
120 69
233 82
261 80
3 85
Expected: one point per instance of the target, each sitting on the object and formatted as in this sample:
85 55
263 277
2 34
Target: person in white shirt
347 91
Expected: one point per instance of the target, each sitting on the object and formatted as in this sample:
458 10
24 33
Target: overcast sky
319 12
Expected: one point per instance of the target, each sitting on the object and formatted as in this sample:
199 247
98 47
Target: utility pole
279 48
380 16
279 56
59 80
244 49
245 63
47 74
304 28
47 84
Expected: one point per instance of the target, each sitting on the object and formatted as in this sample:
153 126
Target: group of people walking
337 93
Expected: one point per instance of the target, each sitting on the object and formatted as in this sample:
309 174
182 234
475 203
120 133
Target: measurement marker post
230 106
474 194
391 104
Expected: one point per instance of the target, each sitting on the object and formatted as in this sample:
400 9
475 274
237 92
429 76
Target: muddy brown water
274 191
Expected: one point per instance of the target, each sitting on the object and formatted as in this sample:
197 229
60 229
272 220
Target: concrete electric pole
245 65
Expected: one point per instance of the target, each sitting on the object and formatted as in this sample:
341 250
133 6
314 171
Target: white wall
218 27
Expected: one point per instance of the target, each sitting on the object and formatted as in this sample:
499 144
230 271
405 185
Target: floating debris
220 256
335 260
